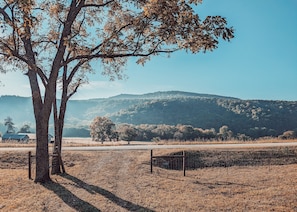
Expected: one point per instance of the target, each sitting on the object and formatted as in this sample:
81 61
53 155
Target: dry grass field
121 181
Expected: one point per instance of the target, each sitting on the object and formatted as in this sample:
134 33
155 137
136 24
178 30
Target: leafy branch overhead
73 34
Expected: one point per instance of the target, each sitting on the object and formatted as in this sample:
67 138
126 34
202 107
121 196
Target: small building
15 137
32 137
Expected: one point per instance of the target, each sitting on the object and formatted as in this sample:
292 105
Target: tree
127 132
10 125
78 32
102 128
25 129
187 131
225 133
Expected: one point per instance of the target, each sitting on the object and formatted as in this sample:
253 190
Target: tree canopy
102 128
79 31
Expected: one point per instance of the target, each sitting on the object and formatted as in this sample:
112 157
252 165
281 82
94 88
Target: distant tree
186 132
208 134
25 129
10 125
178 136
242 137
145 132
127 132
164 131
102 128
225 133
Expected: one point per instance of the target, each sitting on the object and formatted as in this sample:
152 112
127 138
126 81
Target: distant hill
167 95
255 118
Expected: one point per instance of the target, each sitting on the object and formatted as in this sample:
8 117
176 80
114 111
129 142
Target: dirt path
109 177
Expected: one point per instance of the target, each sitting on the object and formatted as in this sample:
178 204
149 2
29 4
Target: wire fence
198 159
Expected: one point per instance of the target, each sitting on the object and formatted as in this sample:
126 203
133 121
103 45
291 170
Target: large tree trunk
42 110
42 122
42 156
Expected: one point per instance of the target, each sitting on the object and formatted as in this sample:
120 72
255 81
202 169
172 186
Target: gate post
29 168
151 161
184 163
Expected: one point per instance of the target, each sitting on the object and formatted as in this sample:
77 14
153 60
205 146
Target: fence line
183 157
198 159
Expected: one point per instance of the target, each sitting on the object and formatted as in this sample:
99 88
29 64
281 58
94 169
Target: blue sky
259 63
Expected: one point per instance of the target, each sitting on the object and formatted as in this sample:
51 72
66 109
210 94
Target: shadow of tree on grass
81 205
117 200
69 198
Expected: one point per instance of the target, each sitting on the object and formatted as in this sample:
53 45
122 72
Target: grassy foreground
121 181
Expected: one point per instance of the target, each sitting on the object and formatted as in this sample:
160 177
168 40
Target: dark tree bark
59 117
59 126
42 111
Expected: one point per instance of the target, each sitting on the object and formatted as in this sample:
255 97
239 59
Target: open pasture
121 181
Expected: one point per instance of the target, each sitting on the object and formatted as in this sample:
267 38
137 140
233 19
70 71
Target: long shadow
69 198
117 200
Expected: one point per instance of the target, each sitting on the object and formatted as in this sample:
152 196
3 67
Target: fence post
184 163
151 161
29 168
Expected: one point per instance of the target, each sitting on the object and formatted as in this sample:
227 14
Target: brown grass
121 181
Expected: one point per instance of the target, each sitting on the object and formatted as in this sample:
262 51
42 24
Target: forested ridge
254 118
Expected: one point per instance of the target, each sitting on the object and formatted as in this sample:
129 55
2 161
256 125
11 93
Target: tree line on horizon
254 118
103 129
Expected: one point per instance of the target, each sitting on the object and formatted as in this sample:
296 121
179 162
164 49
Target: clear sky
259 63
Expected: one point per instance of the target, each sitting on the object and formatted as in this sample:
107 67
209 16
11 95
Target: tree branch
5 15
132 54
98 5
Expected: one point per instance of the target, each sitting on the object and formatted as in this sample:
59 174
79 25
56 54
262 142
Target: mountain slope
255 118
